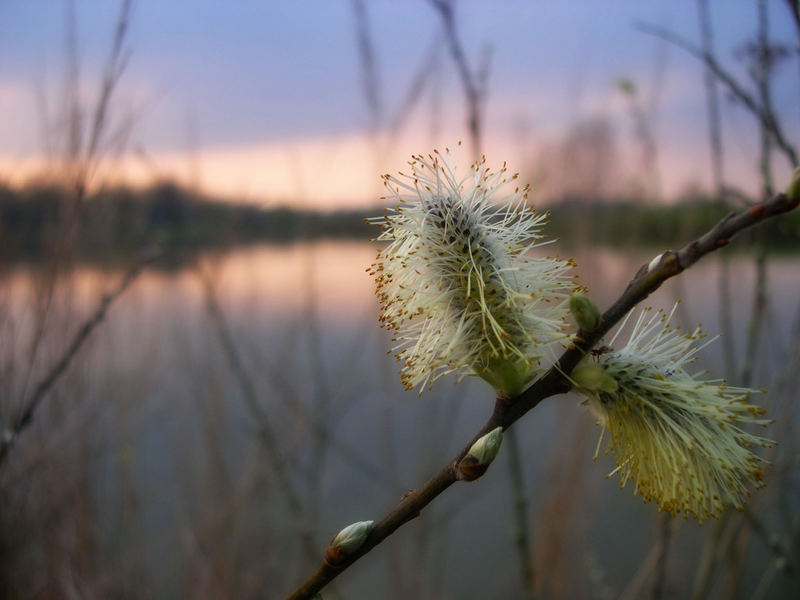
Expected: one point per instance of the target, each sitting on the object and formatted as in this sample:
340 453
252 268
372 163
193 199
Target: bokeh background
194 390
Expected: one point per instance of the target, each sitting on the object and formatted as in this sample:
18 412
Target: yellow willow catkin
456 283
678 438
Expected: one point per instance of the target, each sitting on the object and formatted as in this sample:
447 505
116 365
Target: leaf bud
585 312
593 378
481 455
655 262
347 541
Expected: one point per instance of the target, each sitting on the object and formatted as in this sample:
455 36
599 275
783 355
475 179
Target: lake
149 472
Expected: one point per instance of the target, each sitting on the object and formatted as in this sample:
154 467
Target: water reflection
151 443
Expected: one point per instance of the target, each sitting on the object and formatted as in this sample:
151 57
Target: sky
264 101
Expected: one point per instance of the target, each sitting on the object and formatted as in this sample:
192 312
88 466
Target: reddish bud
756 212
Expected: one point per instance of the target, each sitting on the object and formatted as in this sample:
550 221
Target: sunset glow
271 108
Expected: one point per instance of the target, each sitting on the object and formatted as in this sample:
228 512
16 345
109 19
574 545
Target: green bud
351 537
487 446
588 376
593 377
654 263
510 377
585 311
608 384
347 541
793 189
481 454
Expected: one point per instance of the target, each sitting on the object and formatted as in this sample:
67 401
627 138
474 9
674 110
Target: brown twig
82 161
265 429
521 533
757 316
724 534
424 73
369 71
780 554
79 164
57 370
764 113
321 396
712 101
117 61
474 81
761 73
664 537
794 10
508 410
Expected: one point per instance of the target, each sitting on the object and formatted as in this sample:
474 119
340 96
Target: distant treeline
121 220
115 222
626 222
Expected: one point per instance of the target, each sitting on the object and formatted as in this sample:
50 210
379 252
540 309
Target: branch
507 411
471 88
265 428
794 9
59 368
712 100
780 554
369 71
423 74
117 61
762 113
266 432
664 537
474 82
520 501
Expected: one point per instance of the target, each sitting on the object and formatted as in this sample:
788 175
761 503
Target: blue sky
261 89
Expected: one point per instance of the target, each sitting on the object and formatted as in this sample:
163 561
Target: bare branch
369 71
712 100
520 501
761 75
780 553
266 434
664 537
763 113
415 89
72 93
59 368
508 410
474 82
718 182
794 9
117 61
